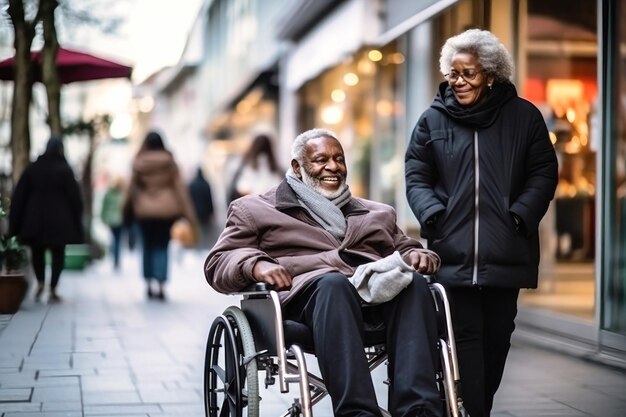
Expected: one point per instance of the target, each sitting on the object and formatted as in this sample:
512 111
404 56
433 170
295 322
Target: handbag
183 232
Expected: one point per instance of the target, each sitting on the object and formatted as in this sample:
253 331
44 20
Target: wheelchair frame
252 339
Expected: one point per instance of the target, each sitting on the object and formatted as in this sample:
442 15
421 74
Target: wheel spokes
225 409
226 377
219 373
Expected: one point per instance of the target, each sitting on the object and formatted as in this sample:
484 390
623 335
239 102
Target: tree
25 29
24 33
49 73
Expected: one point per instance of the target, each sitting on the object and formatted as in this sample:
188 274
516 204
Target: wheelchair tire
250 384
230 385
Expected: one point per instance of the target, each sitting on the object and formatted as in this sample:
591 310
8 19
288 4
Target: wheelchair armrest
256 288
259 286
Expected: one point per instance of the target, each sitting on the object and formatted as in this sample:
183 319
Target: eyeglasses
467 75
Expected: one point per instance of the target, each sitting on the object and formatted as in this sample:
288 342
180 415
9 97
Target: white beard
309 181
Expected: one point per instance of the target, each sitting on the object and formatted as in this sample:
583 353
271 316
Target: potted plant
13 258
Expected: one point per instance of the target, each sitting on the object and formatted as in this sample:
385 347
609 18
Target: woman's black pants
57 258
333 310
483 319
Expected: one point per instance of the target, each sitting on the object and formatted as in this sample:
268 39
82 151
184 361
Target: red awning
73 66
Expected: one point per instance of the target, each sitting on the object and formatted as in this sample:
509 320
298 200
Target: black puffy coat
474 168
46 206
201 197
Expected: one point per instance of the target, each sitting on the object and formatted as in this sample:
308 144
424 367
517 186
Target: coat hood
481 115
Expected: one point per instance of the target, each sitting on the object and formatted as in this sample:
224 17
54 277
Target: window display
358 100
560 57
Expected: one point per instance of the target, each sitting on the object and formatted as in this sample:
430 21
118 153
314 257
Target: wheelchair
254 339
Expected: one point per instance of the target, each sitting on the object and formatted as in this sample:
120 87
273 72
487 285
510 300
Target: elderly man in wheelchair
340 266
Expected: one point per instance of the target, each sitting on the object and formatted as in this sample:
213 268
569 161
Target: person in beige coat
157 197
307 237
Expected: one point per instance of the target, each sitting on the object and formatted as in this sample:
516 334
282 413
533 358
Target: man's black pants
332 309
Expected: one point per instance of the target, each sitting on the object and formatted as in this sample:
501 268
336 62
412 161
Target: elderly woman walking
480 173
157 197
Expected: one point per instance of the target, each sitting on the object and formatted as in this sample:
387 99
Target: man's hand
423 262
273 274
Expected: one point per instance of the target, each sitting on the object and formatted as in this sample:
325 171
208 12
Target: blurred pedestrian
46 213
157 197
480 173
258 170
111 215
202 199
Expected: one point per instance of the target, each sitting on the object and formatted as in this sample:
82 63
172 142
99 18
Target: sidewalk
108 351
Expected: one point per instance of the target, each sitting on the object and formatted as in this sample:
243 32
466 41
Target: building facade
367 69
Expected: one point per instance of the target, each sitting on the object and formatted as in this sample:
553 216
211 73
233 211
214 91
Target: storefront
573 69
237 84
357 99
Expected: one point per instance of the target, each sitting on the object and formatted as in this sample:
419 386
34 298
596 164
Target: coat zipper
476 222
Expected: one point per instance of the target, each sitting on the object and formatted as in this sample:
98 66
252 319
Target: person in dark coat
46 213
202 200
480 173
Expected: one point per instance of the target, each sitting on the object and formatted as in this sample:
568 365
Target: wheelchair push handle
429 279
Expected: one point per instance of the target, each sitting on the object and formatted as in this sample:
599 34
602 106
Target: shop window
358 100
559 60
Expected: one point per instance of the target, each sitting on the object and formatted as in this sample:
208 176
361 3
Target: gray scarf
325 211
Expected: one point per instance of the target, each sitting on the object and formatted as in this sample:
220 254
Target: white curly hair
297 148
493 56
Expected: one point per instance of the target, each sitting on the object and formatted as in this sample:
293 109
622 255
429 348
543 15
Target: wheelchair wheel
230 384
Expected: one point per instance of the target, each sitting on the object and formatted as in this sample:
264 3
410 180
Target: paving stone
57 381
185 409
46 414
62 406
169 396
19 407
66 372
112 397
10 364
121 409
140 414
58 362
15 395
17 379
107 382
43 394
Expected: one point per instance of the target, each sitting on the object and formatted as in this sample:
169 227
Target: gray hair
297 148
490 52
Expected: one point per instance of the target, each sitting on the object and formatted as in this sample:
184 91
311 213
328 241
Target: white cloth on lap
380 281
